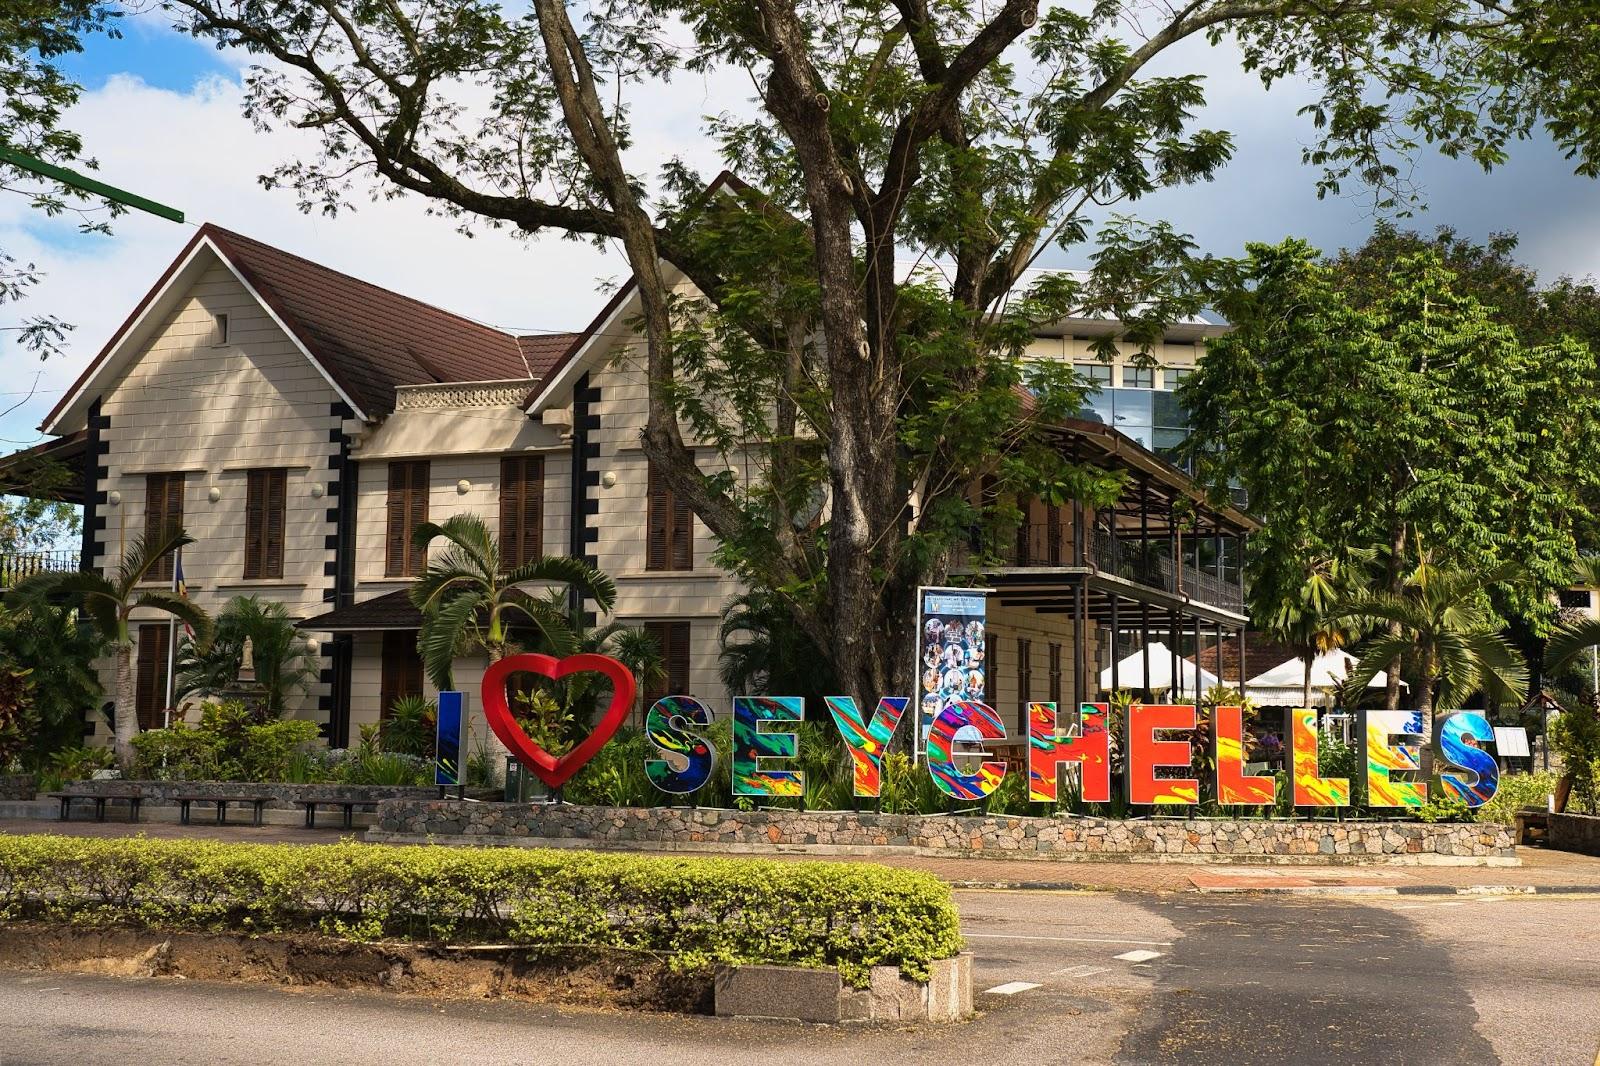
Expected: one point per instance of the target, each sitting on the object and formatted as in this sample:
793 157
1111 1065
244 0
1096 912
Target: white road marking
1066 939
1139 956
1079 971
1010 988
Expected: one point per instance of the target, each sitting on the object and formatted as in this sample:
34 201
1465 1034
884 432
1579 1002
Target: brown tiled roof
392 610
1261 653
370 339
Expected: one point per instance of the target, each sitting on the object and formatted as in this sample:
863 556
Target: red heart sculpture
554 770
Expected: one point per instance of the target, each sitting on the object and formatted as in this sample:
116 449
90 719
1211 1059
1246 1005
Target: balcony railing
14 566
1052 544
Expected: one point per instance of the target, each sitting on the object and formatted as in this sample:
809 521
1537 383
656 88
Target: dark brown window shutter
265 500
991 669
521 509
672 638
669 530
401 670
150 678
163 515
407 509
1055 675
1024 682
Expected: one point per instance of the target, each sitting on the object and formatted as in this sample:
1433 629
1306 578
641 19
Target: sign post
952 659
447 742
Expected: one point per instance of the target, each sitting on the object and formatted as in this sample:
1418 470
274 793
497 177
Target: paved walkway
1541 871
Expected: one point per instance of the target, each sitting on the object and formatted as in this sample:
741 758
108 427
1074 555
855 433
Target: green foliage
1443 808
19 715
1406 418
281 656
227 745
469 599
698 911
411 728
1575 738
1516 792
766 652
58 651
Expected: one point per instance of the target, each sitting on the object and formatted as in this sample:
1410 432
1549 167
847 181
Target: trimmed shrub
696 911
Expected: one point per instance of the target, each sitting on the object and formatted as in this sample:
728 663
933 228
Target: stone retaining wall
1575 832
844 832
17 786
160 793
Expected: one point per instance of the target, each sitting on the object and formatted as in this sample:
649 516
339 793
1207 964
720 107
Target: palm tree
1311 619
631 646
765 652
469 600
1567 641
282 657
1442 628
110 603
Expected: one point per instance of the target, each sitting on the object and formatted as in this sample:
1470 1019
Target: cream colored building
298 422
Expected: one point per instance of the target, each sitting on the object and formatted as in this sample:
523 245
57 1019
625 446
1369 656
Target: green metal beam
87 184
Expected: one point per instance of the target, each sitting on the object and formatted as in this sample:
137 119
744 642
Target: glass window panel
1099 373
1173 376
1169 412
1138 377
1132 408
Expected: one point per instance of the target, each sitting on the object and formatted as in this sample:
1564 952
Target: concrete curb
1289 890
800 994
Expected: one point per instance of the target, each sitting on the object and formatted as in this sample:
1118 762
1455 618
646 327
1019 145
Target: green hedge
696 911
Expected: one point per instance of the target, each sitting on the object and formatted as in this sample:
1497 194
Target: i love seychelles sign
762 746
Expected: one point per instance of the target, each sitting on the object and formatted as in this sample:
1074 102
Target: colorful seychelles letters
1157 760
1048 748
941 750
1311 789
752 748
1388 754
1234 786
1147 752
867 741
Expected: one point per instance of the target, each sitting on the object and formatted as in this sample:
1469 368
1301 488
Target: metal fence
14 566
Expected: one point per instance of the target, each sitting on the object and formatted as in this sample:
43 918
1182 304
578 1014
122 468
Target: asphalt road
1092 979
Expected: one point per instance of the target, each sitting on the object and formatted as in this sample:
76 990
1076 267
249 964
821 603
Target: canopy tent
1130 672
1284 684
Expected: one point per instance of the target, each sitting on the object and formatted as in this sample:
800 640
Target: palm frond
470 534
594 584
443 632
1568 641
186 611
84 589
143 556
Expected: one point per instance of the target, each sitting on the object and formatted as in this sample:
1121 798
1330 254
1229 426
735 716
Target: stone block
784 992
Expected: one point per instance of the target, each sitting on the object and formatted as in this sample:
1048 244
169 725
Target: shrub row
694 911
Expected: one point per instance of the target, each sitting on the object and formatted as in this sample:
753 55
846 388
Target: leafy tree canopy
1416 423
970 135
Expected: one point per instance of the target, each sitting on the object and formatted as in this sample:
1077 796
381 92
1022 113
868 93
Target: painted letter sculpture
674 726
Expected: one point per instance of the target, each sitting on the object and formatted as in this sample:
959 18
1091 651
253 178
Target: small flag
182 589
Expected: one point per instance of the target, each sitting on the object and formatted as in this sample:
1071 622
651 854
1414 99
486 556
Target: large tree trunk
1306 697
1393 580
1424 702
126 720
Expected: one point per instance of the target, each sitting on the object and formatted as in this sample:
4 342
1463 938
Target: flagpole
172 641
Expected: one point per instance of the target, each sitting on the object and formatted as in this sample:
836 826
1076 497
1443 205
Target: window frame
410 508
266 497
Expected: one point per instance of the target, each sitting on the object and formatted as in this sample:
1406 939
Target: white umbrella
1130 672
1287 679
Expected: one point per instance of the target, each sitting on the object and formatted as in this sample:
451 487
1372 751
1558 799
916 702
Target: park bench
132 796
221 801
349 806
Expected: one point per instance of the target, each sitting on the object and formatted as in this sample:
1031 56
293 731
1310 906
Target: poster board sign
952 645
448 741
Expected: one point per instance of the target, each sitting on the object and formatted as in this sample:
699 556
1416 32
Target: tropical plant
58 648
632 646
281 656
19 715
766 652
1568 640
74 764
110 603
1441 627
410 727
1310 619
469 599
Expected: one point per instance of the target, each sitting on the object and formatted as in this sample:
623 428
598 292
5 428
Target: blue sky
162 115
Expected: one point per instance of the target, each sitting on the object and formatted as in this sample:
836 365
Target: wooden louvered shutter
163 515
400 669
150 689
407 509
672 639
521 509
669 531
265 500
